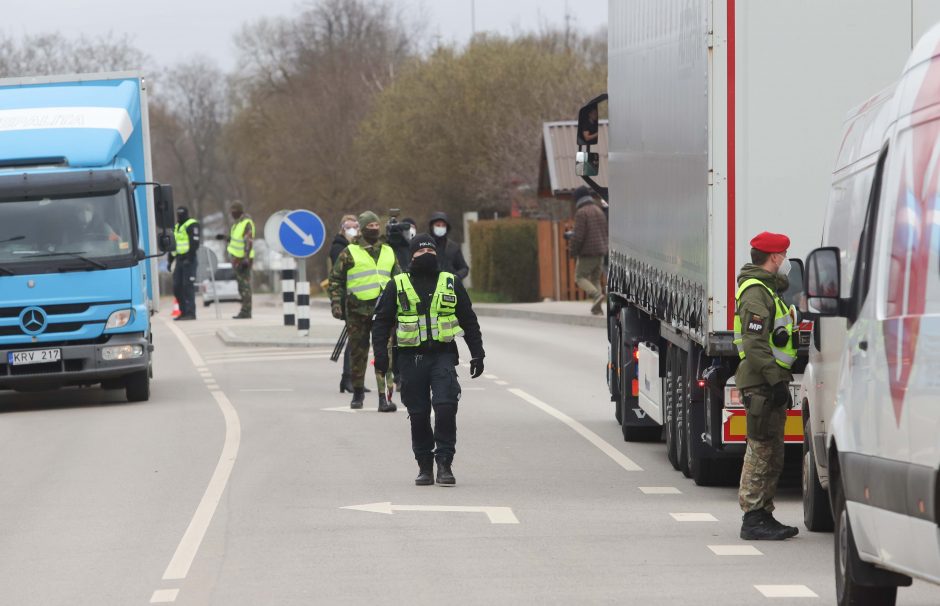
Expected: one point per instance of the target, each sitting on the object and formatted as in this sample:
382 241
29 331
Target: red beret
770 243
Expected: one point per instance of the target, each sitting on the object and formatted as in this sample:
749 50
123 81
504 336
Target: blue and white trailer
79 222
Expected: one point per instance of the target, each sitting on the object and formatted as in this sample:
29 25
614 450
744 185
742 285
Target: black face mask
370 235
424 264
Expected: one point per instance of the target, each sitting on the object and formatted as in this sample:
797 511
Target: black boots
385 405
345 384
359 396
445 476
761 525
425 471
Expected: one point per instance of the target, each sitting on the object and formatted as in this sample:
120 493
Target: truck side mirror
587 123
163 206
823 283
587 164
166 243
794 292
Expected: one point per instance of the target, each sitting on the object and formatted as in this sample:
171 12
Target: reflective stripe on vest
784 356
367 277
182 237
236 243
413 325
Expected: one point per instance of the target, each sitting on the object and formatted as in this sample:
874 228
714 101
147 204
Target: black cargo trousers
429 380
184 284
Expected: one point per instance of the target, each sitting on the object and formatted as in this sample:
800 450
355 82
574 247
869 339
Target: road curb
541 316
226 335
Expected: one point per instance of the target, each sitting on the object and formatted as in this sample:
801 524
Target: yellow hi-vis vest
413 325
367 277
182 237
785 356
236 240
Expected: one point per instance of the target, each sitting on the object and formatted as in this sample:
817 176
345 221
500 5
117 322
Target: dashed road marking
735 550
618 457
693 517
786 591
660 490
266 389
260 359
502 382
164 596
491 377
341 409
472 389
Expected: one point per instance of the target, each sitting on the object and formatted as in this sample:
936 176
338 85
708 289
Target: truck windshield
47 234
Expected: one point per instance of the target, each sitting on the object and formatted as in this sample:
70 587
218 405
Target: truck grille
42 369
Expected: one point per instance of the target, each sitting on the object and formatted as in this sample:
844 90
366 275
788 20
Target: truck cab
881 441
79 215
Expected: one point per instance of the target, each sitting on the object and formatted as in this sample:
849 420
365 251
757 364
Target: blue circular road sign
302 233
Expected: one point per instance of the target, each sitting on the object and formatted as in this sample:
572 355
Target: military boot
359 397
425 471
760 525
386 405
445 477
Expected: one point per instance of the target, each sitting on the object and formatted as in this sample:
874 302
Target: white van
882 443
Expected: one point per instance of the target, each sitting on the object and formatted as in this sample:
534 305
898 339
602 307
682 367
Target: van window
861 280
913 286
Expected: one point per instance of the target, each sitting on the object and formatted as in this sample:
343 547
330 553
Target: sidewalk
266 327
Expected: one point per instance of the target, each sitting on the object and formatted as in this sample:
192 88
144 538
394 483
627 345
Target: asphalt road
232 486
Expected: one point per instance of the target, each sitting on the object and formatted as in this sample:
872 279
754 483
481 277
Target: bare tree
47 54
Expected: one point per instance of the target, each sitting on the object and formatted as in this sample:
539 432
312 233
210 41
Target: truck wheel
817 514
847 562
137 386
669 418
682 409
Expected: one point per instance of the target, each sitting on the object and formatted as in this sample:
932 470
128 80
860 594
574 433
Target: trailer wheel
848 591
669 420
137 386
817 514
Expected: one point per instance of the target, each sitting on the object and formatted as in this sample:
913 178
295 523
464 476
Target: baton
340 344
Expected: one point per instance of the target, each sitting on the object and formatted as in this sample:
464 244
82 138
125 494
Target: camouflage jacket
759 367
337 288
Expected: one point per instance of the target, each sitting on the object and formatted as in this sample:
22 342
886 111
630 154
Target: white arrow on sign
497 515
307 238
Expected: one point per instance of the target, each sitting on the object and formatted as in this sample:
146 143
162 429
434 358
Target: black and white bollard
287 290
303 299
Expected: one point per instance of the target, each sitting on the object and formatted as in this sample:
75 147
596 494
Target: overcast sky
172 30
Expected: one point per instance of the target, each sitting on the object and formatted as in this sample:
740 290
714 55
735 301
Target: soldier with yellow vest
184 275
763 334
361 272
241 252
428 309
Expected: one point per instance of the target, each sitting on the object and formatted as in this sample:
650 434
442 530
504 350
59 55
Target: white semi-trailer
724 118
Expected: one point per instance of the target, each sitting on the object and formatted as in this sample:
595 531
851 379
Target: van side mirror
823 283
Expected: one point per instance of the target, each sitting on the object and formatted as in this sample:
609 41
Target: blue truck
81 225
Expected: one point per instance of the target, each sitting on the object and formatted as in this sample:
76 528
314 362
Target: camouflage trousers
243 277
763 459
359 328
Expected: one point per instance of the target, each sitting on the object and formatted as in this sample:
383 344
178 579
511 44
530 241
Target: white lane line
618 457
735 550
187 345
786 591
266 389
341 409
491 377
254 354
693 517
660 490
472 389
164 596
257 360
192 539
502 382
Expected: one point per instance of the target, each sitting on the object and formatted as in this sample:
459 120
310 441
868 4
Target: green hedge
505 258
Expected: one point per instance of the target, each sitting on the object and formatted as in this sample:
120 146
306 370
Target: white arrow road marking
339 409
618 457
307 238
497 515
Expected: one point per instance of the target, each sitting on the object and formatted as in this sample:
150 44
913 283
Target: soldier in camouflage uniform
241 253
357 310
763 378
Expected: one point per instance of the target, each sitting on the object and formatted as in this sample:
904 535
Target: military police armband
755 325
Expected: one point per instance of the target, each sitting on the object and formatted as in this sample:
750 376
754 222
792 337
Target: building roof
556 167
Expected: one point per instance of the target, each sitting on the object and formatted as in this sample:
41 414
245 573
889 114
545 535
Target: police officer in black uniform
428 356
184 276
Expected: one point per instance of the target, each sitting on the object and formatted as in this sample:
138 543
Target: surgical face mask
784 269
87 216
412 232
440 231
351 232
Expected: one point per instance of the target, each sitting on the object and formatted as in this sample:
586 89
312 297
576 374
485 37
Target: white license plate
35 356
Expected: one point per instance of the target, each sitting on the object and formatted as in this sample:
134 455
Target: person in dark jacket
399 238
348 231
428 309
449 253
589 246
186 233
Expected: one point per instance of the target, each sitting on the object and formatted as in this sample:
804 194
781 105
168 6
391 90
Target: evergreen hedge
505 258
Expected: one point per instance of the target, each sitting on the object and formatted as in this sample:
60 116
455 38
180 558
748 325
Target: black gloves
476 367
381 362
781 394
